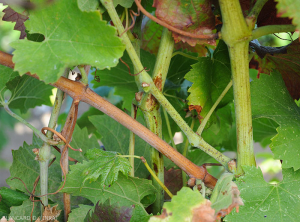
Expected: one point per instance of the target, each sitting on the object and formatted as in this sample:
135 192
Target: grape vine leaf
11 15
193 16
22 213
10 198
106 212
267 202
80 213
104 165
116 138
289 8
71 38
270 99
187 205
89 5
125 191
28 92
120 78
210 76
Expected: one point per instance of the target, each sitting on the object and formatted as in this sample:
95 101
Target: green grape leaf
267 202
187 205
210 76
289 8
116 138
270 99
225 196
125 191
106 212
80 213
104 165
193 16
264 130
72 37
26 92
120 78
10 198
22 213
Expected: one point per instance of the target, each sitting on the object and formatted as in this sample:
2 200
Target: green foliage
210 76
104 165
125 191
71 38
267 202
10 198
270 99
116 138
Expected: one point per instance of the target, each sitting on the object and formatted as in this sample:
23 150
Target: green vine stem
270 29
151 110
45 151
204 122
132 142
237 35
169 128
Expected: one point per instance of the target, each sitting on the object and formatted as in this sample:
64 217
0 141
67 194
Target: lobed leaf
210 76
104 165
72 37
267 202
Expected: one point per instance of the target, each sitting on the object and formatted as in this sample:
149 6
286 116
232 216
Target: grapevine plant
149 69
